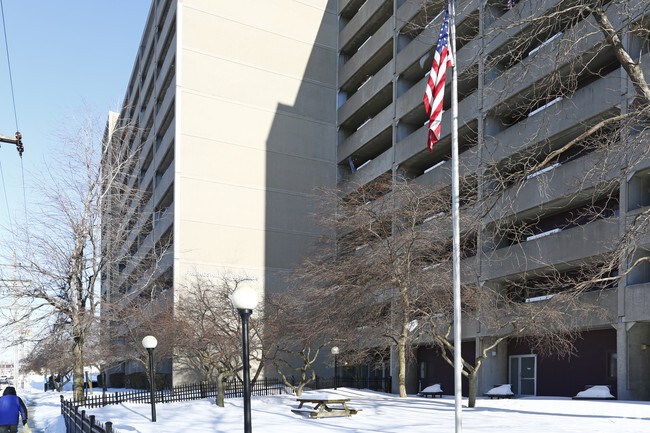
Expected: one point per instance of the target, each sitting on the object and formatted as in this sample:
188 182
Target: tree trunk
89 381
473 385
221 390
78 367
633 69
401 355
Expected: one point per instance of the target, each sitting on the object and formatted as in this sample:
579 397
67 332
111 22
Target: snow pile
432 388
597 391
385 413
501 390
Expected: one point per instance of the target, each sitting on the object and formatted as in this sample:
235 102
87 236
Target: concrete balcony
169 21
520 83
163 221
375 168
426 41
569 246
558 187
369 18
408 110
164 144
571 117
166 66
370 58
349 7
375 92
164 184
367 136
440 176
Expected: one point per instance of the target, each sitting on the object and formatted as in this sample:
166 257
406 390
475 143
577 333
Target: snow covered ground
380 413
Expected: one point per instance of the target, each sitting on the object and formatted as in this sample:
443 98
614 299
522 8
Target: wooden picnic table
323 406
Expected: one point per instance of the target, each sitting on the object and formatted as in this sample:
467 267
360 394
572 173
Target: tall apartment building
514 106
244 108
234 106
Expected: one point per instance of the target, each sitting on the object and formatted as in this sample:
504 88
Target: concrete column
622 388
494 369
638 361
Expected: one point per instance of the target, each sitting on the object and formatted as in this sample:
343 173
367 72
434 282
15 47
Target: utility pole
19 328
18 141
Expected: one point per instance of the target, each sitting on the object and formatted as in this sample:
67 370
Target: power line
11 80
4 188
18 135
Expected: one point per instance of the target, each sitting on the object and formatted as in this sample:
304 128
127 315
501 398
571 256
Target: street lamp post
245 299
335 352
149 342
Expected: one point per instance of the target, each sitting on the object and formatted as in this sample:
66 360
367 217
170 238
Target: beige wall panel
189 271
285 249
271 16
229 122
244 83
221 204
252 46
221 245
215 161
304 174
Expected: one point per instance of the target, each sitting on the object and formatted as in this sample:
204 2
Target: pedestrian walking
10 406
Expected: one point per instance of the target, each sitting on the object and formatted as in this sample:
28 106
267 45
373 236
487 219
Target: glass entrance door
523 374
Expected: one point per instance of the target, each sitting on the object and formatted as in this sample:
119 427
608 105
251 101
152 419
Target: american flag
511 4
433 97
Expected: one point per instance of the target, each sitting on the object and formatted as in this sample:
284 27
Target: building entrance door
523 374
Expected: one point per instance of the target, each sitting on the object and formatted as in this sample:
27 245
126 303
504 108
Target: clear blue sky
65 55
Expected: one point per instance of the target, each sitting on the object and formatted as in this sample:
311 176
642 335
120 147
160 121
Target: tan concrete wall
256 86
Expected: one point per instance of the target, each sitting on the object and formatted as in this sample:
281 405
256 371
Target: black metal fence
234 388
382 384
76 420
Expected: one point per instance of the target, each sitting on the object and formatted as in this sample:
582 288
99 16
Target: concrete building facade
245 108
510 107
233 105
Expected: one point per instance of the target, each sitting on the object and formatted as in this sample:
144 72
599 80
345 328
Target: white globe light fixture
244 297
149 342
335 351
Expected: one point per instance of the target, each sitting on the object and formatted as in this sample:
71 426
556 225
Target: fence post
76 415
108 427
92 423
83 417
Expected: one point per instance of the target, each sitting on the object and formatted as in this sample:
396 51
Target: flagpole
455 187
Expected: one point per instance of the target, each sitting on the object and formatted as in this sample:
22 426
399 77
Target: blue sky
65 55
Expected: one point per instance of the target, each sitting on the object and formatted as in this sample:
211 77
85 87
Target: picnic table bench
500 391
323 407
432 391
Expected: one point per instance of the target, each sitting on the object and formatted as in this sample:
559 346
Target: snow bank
501 390
598 391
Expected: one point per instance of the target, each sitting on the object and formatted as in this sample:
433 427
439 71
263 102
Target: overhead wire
13 100
11 80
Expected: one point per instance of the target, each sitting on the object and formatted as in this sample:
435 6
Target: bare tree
61 254
52 356
365 290
294 336
211 332
131 320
